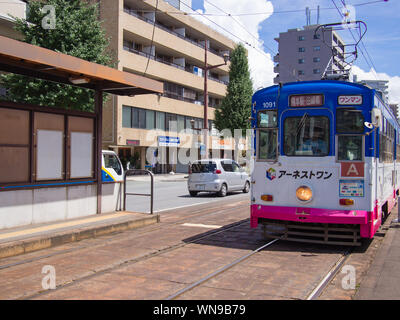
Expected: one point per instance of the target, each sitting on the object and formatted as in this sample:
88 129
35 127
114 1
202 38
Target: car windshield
111 162
204 167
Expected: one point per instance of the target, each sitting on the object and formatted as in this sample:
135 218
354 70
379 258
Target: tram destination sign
306 100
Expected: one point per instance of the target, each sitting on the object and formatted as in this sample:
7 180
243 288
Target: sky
256 23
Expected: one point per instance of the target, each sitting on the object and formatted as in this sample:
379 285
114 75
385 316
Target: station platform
20 240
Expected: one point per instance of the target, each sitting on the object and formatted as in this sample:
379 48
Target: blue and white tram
326 161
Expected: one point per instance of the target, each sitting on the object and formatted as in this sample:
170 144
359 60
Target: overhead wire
253 13
362 43
372 67
240 39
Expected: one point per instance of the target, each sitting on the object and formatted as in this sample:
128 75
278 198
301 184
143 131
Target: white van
111 168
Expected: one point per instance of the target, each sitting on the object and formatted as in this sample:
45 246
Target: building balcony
276 58
136 62
200 44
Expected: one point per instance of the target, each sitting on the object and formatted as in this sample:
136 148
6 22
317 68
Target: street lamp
206 68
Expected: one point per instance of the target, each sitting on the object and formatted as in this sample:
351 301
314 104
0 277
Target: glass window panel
111 162
181 123
349 121
306 136
142 118
171 122
150 119
135 118
267 147
350 148
127 117
160 120
267 119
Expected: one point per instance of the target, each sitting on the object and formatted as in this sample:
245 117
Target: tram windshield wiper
302 122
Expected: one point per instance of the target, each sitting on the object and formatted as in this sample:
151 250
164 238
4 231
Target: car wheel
193 193
246 187
223 191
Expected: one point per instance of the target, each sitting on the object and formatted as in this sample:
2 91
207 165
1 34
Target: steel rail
134 260
219 271
329 276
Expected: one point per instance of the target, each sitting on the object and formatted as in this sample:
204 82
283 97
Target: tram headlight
304 193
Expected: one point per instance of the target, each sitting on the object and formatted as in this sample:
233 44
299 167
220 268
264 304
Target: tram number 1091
269 105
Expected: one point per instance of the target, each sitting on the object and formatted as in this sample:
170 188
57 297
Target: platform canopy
30 60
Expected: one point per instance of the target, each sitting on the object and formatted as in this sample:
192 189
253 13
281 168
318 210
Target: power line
225 14
362 43
365 58
243 41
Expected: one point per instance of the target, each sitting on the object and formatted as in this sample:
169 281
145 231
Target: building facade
154 39
381 86
305 55
8 10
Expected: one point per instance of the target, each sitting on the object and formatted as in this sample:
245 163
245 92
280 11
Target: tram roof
301 86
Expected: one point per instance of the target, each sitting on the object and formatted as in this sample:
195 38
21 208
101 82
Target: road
169 194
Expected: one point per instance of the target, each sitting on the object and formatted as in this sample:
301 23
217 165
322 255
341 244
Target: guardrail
151 194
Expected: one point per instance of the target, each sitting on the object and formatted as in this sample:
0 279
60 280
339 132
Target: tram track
314 294
135 260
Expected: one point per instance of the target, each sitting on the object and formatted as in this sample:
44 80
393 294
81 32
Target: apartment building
155 39
8 10
305 55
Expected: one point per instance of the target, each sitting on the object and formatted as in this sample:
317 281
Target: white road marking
200 225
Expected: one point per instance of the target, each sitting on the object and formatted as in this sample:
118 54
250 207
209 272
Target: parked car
217 175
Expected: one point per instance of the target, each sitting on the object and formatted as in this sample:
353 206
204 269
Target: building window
302 49
126 117
301 61
317 36
317 48
302 38
317 71
160 120
138 118
301 73
171 122
316 59
150 119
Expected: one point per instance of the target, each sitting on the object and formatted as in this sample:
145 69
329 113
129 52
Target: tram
327 157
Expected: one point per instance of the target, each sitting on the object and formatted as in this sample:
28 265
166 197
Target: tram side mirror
369 125
376 117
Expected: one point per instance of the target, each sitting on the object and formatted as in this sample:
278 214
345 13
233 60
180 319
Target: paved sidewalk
30 238
382 282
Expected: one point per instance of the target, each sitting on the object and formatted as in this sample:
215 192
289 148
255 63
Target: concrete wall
25 207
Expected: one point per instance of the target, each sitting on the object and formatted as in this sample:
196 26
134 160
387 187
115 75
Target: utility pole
206 68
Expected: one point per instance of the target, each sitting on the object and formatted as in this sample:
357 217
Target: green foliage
235 108
78 33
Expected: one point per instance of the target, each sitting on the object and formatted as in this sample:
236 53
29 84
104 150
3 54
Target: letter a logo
352 170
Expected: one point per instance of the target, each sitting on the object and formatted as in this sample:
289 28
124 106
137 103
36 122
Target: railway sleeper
334 234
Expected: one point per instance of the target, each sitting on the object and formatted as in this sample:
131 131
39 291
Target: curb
17 247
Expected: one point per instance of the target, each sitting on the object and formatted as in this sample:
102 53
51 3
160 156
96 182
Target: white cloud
394 82
244 29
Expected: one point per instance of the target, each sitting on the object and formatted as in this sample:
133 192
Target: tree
74 29
235 108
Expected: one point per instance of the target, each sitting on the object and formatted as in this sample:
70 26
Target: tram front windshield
306 136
